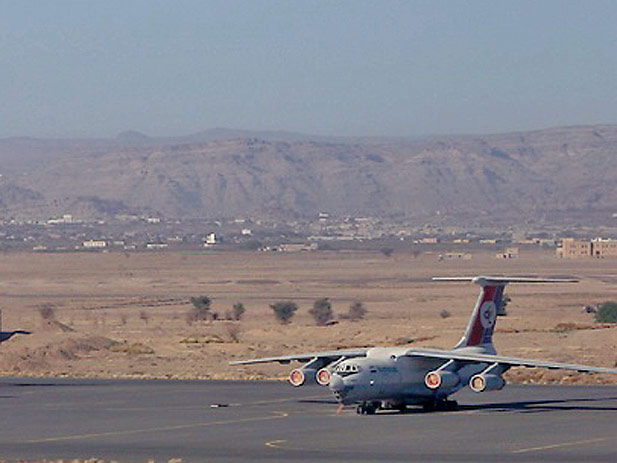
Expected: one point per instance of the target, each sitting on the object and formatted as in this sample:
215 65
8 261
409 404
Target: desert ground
125 315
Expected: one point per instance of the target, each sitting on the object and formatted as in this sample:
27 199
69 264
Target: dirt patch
100 300
258 282
136 348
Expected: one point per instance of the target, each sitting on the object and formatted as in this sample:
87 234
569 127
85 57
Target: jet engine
486 382
323 377
301 376
441 378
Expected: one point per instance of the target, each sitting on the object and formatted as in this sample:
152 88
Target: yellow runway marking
277 416
201 407
564 444
277 401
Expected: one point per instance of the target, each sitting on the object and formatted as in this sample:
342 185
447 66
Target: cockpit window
347 369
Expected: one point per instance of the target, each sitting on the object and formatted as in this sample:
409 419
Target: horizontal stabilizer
500 280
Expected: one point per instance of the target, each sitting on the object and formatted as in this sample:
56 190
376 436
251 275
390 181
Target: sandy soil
124 315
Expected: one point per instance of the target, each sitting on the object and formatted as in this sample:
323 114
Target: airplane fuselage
386 374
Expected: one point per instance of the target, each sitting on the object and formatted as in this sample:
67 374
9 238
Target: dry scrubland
124 315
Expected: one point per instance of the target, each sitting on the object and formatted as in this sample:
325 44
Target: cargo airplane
395 377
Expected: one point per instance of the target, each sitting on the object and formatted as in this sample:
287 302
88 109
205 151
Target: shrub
606 313
445 314
137 348
237 311
201 302
357 311
386 251
233 331
201 309
47 311
322 311
284 311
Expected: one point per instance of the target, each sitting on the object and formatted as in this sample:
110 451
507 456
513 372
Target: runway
135 421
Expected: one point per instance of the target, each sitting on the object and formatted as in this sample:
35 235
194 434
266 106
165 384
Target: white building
153 246
211 240
94 244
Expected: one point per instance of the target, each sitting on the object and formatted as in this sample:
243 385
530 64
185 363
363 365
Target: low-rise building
455 256
155 246
429 240
508 253
298 247
600 248
94 244
211 240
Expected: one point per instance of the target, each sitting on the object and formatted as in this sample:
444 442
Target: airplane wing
507 361
6 335
334 355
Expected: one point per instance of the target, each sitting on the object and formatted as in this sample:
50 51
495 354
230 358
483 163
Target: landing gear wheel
367 408
451 405
429 406
441 405
371 408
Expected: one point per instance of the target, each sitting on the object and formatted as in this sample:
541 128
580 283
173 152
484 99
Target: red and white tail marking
482 323
480 329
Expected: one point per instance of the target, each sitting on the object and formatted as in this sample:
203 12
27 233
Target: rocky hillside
216 173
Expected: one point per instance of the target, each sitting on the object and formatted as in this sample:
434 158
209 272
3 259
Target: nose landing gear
368 408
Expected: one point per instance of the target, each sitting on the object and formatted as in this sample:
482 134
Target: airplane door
376 380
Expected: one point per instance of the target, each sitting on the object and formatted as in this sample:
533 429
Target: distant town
127 233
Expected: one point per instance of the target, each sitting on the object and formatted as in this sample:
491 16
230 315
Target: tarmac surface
135 421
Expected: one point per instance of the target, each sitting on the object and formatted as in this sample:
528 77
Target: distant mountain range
227 173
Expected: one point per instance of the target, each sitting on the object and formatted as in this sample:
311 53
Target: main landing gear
440 405
367 408
437 405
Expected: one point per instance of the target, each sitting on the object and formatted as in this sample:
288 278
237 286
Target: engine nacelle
481 383
323 377
301 376
436 379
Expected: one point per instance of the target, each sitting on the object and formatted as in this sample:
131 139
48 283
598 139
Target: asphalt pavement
238 421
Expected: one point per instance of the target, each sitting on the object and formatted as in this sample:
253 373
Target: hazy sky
96 68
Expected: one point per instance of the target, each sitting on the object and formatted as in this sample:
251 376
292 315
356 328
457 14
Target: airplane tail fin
479 331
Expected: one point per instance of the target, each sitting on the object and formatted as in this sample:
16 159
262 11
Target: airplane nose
336 383
337 386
